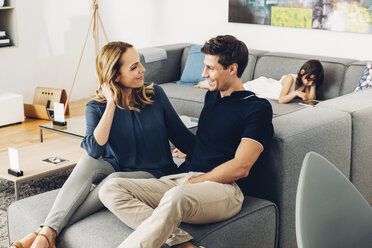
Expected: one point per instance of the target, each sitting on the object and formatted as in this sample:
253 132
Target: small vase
1 3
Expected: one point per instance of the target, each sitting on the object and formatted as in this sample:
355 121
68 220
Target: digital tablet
310 103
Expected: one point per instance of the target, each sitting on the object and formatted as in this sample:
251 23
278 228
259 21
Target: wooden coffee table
30 160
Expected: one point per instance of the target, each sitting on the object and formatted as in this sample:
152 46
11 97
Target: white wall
170 21
199 20
50 38
51 34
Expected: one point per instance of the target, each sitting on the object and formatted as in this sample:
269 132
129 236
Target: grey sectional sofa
338 128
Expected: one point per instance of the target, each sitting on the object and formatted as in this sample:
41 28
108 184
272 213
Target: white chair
330 211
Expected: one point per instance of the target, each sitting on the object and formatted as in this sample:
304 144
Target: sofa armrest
359 106
166 70
325 131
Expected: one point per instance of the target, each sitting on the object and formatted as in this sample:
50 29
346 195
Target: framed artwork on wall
335 15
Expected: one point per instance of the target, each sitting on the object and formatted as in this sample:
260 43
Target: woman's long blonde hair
107 69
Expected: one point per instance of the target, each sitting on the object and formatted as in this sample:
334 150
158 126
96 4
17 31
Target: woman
128 128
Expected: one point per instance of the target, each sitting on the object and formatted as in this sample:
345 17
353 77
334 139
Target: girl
128 128
303 85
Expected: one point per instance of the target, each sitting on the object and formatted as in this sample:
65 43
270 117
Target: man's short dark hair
230 50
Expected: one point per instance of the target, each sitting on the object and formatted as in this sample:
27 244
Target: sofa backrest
352 76
165 70
341 75
185 54
276 64
252 61
248 72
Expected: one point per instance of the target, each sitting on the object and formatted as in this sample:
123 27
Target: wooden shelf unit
8 21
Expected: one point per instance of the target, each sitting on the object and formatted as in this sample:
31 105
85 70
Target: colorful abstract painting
335 15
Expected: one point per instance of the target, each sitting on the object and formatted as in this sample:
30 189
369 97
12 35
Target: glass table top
75 126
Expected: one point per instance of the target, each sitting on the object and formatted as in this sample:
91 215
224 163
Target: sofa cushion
252 60
283 109
359 106
192 73
275 65
325 131
187 92
366 79
255 225
186 99
352 76
248 72
167 70
185 54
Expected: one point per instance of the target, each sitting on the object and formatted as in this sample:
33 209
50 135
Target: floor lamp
96 21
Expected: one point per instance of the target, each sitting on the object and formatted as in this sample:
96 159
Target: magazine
54 160
189 122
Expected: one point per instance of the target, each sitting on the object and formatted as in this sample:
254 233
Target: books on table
2 34
55 160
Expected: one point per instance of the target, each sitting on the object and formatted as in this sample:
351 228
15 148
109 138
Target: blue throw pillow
194 67
366 79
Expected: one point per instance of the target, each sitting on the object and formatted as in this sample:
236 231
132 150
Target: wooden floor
28 133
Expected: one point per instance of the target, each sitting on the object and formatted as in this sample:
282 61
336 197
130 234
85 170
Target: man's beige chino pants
154 208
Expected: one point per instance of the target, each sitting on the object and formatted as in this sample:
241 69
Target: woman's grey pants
76 200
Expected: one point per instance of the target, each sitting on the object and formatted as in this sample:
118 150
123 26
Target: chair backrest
330 211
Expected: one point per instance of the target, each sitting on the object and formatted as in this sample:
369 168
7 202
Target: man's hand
178 154
203 85
186 245
246 155
187 182
193 180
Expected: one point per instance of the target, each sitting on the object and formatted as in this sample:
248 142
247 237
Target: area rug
27 189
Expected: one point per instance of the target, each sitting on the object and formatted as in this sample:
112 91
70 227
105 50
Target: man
234 127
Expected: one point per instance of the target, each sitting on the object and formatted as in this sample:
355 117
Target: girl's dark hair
230 50
311 68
